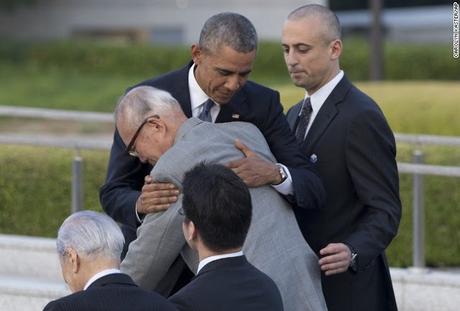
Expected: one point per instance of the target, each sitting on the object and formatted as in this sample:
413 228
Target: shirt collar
100 275
207 260
318 98
197 95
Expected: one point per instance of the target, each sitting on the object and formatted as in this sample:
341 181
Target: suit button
313 158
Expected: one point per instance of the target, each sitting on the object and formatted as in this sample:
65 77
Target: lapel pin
235 116
313 158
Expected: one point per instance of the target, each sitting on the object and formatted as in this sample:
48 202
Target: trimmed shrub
35 185
402 61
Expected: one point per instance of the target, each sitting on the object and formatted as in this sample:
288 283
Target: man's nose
290 58
142 159
233 83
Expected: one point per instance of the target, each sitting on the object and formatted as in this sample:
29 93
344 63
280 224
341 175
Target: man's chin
298 82
224 99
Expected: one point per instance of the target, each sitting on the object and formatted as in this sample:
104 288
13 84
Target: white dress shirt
318 98
197 99
209 259
100 275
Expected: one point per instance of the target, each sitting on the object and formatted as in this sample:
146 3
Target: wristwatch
282 173
354 259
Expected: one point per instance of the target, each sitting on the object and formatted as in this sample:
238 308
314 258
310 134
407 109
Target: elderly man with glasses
153 126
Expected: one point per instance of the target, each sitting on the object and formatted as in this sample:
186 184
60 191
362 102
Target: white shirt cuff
285 187
139 220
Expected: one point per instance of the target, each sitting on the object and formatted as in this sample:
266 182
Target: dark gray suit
354 151
274 243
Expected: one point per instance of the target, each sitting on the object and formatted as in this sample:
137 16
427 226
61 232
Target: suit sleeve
308 189
53 306
181 302
370 157
125 176
158 244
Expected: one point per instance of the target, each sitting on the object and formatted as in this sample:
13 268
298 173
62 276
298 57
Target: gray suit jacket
274 243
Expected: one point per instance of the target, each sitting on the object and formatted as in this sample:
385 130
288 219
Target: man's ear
196 54
157 123
190 231
75 260
336 49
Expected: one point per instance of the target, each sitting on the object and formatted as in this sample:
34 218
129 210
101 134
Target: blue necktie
304 119
205 114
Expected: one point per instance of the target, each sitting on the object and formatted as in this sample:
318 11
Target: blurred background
81 55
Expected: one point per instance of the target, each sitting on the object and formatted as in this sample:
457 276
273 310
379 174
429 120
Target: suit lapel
326 114
182 90
235 110
293 116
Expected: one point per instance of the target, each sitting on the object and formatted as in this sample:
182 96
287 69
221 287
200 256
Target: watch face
354 263
282 172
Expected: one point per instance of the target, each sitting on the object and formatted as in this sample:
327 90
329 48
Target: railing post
77 184
418 217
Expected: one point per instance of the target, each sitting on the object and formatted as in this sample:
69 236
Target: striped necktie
205 114
304 119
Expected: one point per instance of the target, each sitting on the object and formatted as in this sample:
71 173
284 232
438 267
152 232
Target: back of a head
328 18
218 202
228 29
92 235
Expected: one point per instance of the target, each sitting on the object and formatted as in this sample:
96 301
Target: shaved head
331 29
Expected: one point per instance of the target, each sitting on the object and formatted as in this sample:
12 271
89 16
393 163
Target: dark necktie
205 114
304 118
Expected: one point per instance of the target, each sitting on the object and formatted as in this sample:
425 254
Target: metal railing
417 168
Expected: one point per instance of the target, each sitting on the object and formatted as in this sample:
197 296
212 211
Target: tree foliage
343 5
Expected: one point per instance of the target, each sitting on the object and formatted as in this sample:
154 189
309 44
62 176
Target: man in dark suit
89 245
345 133
222 62
217 208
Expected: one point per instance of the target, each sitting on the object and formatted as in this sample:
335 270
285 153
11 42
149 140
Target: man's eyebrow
302 45
232 72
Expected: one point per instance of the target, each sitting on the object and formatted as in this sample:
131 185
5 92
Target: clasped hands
253 170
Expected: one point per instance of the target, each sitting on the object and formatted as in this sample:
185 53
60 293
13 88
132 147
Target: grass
53 88
422 107
410 107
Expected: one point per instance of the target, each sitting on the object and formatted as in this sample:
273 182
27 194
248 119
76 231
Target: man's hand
335 258
156 196
253 170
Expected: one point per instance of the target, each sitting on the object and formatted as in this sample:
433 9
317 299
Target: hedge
35 198
402 61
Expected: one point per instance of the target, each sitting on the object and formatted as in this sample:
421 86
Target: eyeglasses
130 150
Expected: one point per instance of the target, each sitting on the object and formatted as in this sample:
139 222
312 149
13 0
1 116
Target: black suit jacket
112 292
253 103
229 284
354 151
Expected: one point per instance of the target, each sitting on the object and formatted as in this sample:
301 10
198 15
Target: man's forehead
229 59
301 32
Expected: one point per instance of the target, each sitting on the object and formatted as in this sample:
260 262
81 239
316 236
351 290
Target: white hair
90 234
143 101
